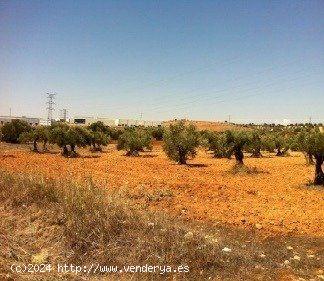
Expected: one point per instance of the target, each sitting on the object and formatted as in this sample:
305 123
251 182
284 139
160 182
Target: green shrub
12 130
312 143
66 137
237 140
134 140
40 133
115 133
157 132
181 141
99 135
216 142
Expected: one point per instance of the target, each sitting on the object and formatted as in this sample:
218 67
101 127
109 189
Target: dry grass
203 191
83 223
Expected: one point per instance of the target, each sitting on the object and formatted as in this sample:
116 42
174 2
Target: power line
231 98
208 97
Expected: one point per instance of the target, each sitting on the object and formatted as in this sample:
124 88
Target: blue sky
258 61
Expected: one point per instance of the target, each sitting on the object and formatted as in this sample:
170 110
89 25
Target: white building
30 120
79 120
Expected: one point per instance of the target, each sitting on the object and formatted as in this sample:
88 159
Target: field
269 204
275 195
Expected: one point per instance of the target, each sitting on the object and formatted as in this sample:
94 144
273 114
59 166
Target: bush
134 140
216 142
157 132
40 133
181 142
12 130
66 137
115 133
312 143
281 143
97 139
99 135
237 140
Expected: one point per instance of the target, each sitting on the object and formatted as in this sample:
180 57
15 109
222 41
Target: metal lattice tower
64 114
50 107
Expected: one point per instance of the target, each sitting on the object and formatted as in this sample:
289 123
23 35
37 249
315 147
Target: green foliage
115 133
40 133
237 140
69 136
98 139
12 130
216 142
157 132
311 142
281 142
134 140
260 139
98 126
181 142
99 135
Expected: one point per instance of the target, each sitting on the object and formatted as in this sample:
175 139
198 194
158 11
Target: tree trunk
35 148
256 153
73 152
239 156
319 176
310 159
182 158
65 151
132 153
44 146
279 152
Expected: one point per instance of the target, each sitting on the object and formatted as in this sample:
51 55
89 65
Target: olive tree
40 133
300 142
256 144
66 137
157 132
237 140
13 129
134 140
181 142
99 135
312 143
78 137
216 142
281 143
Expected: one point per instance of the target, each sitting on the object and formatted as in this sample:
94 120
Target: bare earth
275 200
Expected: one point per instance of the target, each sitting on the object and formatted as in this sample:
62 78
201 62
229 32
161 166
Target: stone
296 258
189 235
227 250
286 262
258 226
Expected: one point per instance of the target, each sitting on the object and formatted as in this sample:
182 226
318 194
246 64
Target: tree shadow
49 152
197 165
88 156
8 156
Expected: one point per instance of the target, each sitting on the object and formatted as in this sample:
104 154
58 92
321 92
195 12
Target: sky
250 61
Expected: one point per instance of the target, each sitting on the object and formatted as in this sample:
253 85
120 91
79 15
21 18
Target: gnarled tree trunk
65 151
256 153
182 157
238 153
35 147
319 176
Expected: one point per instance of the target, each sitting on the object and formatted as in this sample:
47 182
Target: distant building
83 120
30 120
114 122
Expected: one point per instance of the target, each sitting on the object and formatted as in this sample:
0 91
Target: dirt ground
274 199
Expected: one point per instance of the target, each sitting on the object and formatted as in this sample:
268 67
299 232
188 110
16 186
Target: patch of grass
105 227
243 169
